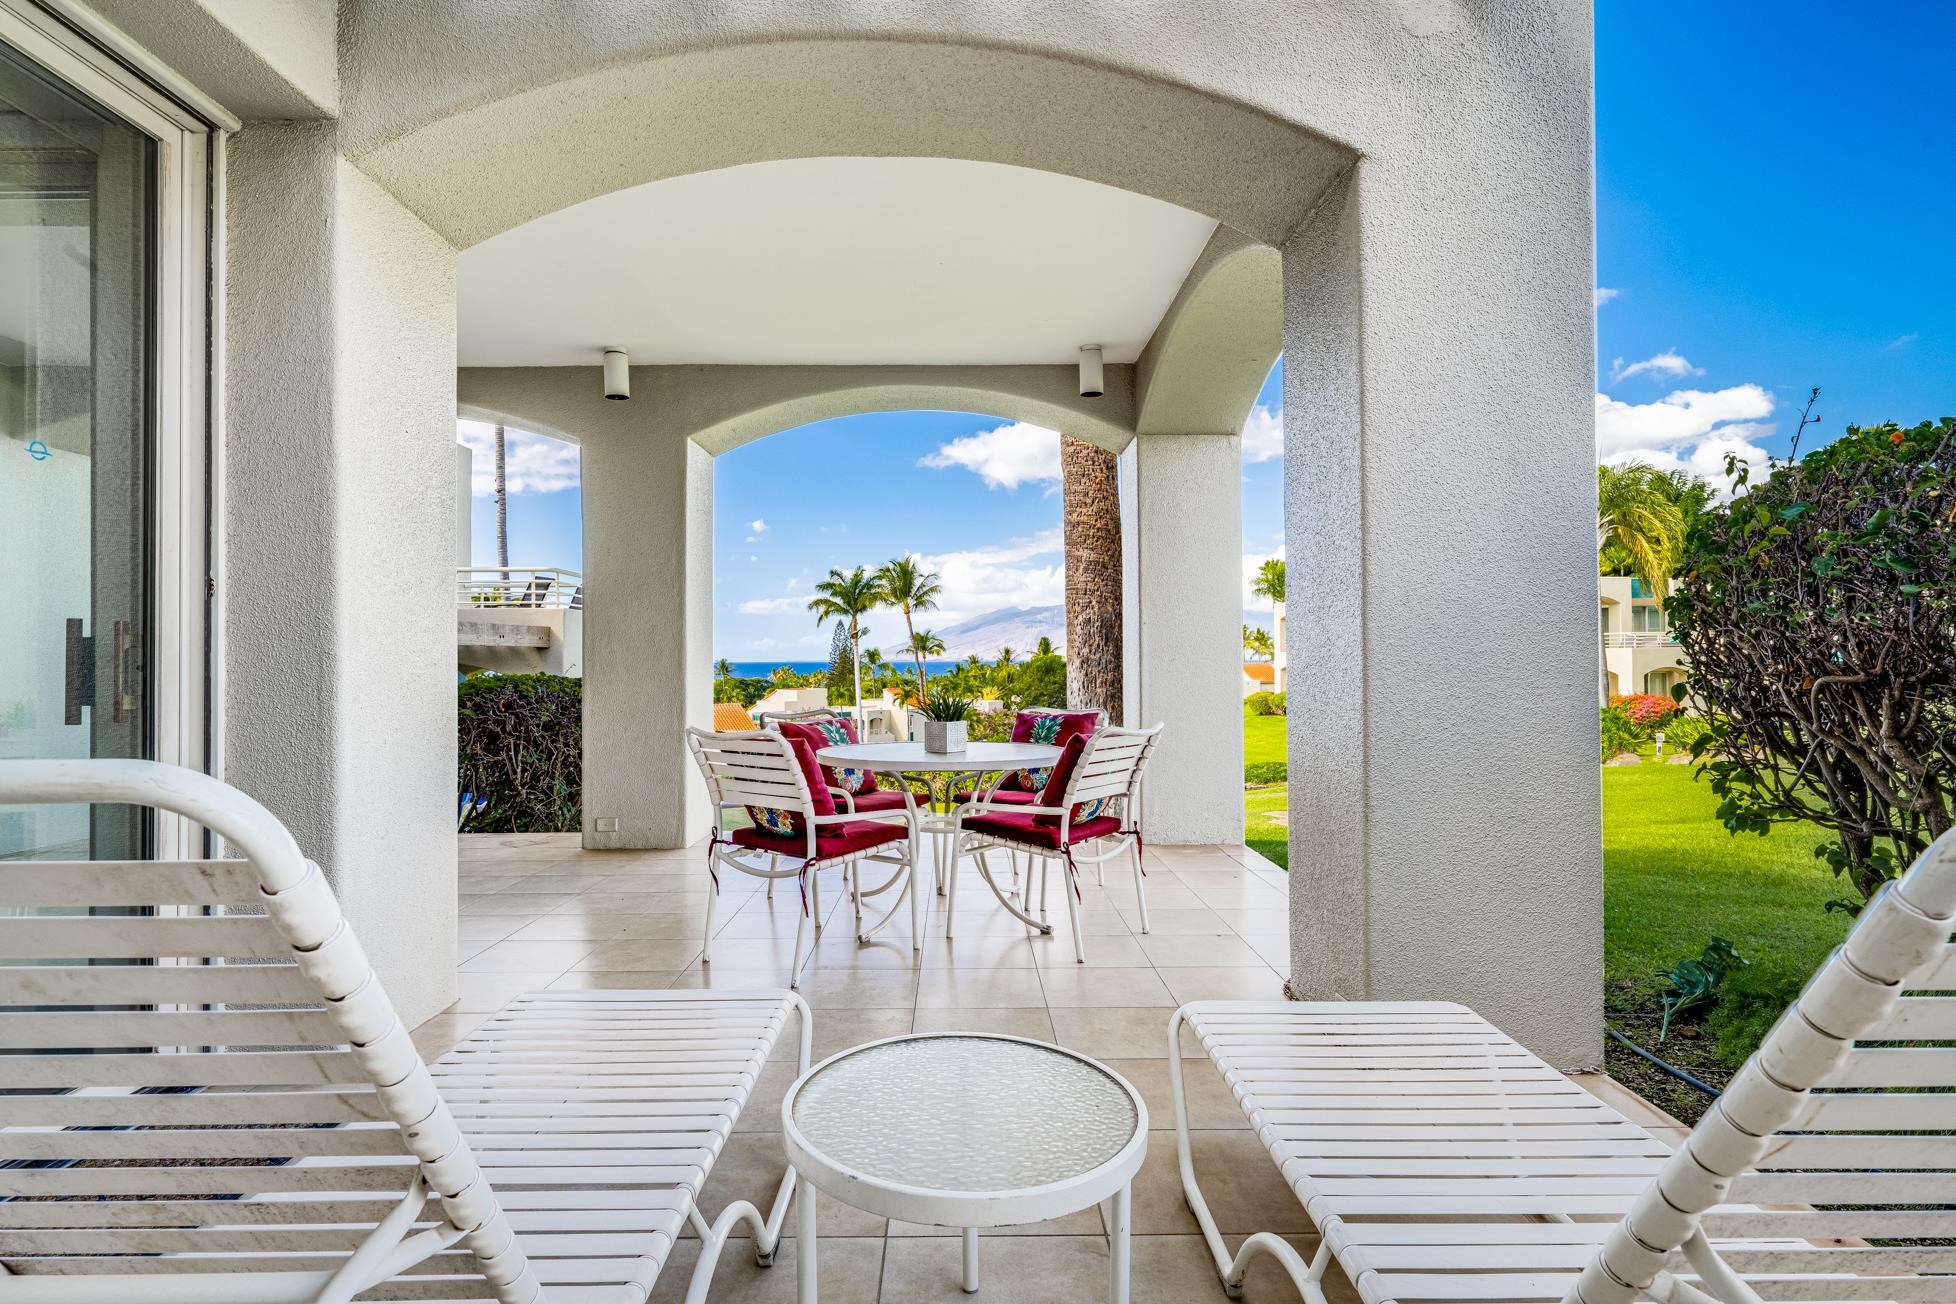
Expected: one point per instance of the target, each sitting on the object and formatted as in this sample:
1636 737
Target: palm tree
1638 515
1091 511
849 598
502 508
723 669
923 646
1005 658
910 588
1269 582
1257 642
1043 648
873 658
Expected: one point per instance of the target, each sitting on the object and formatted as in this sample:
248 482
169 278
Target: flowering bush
1645 710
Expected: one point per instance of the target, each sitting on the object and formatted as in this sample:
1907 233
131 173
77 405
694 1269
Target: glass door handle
79 688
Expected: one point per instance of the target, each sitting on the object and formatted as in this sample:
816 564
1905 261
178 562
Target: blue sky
1774 190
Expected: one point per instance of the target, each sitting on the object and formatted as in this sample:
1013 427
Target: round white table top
911 758
965 1129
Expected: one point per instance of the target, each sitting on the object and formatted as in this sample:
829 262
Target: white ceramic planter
943 737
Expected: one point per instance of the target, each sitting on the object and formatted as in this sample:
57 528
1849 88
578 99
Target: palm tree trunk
502 508
1092 511
911 629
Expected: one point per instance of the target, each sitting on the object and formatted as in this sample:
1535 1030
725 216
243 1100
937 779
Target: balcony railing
1663 638
519 586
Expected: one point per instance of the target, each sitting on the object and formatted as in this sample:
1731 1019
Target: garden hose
1672 1069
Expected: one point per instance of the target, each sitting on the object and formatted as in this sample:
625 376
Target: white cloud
1688 429
1263 434
757 528
1604 294
1252 563
770 606
1016 573
1668 363
532 464
1006 456
1901 341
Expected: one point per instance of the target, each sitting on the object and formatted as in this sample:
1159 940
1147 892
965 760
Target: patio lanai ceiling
832 261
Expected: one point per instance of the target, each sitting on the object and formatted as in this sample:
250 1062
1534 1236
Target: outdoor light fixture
617 374
1091 385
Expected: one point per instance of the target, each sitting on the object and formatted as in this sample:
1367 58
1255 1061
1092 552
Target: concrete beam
1216 343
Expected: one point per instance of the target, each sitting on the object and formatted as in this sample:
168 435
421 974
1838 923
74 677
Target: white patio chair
1105 779
758 769
1441 1161
210 1099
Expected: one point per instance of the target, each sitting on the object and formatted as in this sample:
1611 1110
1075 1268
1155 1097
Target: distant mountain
1019 628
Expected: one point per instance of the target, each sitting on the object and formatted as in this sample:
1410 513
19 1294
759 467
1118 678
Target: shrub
519 742
1619 732
1818 612
1264 704
1266 772
1697 984
1684 732
1645 710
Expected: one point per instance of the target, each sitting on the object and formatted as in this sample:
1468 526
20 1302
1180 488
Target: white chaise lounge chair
1441 1161
210 1100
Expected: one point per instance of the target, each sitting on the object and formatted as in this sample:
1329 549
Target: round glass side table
965 1130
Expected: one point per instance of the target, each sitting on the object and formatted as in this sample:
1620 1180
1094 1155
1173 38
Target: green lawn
1267 836
1673 878
1263 738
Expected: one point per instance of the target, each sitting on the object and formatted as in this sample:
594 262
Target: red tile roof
1261 671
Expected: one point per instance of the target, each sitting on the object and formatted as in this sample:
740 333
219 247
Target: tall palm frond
847 598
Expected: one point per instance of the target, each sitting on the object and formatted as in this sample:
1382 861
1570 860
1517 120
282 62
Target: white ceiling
832 261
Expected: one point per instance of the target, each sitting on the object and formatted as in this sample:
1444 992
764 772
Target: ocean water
762 669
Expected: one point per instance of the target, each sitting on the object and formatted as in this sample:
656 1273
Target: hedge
1266 772
520 743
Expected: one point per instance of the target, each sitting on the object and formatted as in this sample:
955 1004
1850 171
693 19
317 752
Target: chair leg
712 908
815 900
951 894
919 913
772 864
1140 884
801 931
1045 879
856 891
1073 914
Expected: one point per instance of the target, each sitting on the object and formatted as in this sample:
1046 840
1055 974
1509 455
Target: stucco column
648 630
337 644
1444 826
1182 513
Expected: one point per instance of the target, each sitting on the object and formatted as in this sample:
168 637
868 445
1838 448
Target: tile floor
539 912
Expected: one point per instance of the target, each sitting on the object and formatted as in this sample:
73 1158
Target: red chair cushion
1058 777
831 840
832 733
1053 728
1017 826
1002 797
785 823
879 799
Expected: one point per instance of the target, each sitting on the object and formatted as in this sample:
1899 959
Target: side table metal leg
1118 1228
971 1260
804 1241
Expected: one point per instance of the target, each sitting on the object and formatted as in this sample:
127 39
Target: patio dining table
941 771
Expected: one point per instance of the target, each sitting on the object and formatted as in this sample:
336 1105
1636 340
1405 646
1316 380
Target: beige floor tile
486 993
1229 984
437 1035
611 905
980 988
1084 985
839 950
1170 923
1007 949
1081 1222
510 903
730 978
763 1112
838 1030
1217 950
531 957
1244 1189
1210 1102
487 928
1272 948
1120 1032
923 1269
1013 1021
1101 952
750 1167
827 989
572 928
557 880
643 953
650 980
850 1270
1180 1270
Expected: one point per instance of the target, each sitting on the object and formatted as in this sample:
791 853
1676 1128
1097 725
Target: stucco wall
339 699
1187 536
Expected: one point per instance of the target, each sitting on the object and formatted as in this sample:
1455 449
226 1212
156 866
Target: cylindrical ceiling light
1091 378
617 374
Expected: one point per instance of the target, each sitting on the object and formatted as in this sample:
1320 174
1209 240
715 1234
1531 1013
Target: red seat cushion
1053 728
834 732
1061 775
880 799
1017 826
1003 797
831 840
786 823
